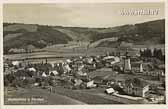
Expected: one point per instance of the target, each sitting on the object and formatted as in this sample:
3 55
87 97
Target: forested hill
18 35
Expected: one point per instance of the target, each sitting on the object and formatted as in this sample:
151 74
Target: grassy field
48 98
60 97
61 53
89 98
72 50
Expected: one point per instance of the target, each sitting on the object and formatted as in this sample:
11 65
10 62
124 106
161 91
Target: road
89 98
61 96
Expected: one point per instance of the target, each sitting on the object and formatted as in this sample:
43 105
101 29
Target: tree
155 52
148 52
158 54
141 53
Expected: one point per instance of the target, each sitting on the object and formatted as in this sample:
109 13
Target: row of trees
157 53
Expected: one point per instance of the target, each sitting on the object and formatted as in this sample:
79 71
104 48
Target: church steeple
127 63
126 54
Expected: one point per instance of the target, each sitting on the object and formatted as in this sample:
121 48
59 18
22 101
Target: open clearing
49 98
60 97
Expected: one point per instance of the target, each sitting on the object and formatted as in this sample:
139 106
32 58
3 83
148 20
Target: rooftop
135 82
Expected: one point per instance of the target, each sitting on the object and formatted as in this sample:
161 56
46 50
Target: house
162 77
98 80
17 50
156 73
69 61
6 67
82 73
44 74
53 72
32 69
83 78
66 68
15 63
99 64
88 60
136 87
137 67
80 67
109 91
90 67
161 90
118 67
90 84
30 48
77 82
22 74
111 59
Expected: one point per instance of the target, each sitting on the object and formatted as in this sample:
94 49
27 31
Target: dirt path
88 98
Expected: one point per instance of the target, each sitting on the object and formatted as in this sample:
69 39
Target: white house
90 84
15 63
109 90
32 69
54 72
44 74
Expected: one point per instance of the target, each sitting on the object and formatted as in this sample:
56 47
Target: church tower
141 68
127 63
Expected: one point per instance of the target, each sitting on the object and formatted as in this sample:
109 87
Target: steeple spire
126 53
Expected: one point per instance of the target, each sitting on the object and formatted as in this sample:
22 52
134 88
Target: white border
141 106
77 1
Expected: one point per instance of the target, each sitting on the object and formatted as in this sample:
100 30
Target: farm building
98 80
30 48
156 73
16 50
136 87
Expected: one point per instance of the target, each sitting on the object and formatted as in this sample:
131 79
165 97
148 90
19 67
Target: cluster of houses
75 73
27 49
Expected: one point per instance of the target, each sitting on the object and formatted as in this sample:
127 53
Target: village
125 79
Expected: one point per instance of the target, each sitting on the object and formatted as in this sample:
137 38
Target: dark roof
98 79
135 82
135 64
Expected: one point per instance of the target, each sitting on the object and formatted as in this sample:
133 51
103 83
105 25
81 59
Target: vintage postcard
84 53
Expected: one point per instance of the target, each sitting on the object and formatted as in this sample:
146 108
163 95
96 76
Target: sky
80 14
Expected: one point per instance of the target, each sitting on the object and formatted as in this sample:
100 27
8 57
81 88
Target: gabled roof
135 82
98 79
135 65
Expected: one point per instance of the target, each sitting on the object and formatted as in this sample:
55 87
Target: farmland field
56 53
47 98
61 96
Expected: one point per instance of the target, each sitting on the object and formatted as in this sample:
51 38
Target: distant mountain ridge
18 35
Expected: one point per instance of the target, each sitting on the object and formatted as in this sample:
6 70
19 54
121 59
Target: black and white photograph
84 53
